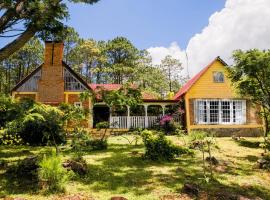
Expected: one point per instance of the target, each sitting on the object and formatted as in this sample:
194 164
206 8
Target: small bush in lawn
82 140
158 147
52 174
97 144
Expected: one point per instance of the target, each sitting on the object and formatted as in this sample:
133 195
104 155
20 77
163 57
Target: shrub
82 139
10 139
167 124
103 125
158 147
52 174
11 109
40 125
97 144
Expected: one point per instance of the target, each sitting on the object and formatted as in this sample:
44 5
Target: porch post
110 118
163 110
128 117
146 116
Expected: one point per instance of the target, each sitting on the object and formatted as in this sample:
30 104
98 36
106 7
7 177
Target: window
78 104
71 83
210 111
218 77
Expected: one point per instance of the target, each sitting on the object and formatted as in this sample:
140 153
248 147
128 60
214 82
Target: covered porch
145 115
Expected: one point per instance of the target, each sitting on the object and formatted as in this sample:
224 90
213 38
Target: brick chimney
51 84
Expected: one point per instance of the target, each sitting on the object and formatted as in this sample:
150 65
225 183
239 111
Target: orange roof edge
192 81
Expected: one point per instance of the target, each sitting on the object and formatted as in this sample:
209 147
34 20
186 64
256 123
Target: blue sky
145 22
201 29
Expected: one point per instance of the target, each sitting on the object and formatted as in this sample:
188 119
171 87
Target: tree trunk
16 44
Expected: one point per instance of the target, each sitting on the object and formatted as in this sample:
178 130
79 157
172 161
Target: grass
120 170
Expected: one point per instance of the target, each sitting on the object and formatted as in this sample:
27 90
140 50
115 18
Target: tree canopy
250 75
23 19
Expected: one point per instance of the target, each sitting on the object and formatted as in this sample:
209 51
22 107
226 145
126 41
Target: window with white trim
220 111
78 104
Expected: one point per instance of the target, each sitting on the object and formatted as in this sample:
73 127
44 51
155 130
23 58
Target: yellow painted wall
206 88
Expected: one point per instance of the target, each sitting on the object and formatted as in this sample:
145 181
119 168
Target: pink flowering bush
165 119
167 124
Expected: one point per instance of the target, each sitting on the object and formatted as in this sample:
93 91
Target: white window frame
78 104
236 111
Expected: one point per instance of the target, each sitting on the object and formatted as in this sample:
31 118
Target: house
212 104
55 82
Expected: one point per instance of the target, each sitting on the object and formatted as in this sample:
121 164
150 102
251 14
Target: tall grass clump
52 175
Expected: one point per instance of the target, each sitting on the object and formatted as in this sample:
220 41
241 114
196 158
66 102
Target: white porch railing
125 122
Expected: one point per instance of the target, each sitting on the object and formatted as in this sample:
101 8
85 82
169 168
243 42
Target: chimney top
55 41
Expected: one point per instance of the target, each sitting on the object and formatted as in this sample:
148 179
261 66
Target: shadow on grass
249 144
121 169
123 172
16 185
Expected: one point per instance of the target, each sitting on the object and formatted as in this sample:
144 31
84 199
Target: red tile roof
110 87
192 81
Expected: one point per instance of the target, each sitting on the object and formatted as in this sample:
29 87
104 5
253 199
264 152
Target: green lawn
120 170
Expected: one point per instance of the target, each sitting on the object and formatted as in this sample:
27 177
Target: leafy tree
88 57
250 76
71 41
20 64
122 59
21 20
125 96
172 68
150 78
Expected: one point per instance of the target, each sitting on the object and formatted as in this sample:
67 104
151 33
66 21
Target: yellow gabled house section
205 88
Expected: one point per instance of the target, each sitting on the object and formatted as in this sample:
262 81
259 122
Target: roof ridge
195 78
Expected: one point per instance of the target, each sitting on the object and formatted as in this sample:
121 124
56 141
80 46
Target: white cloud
242 24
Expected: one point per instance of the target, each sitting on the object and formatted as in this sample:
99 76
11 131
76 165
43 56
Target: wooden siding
205 88
31 85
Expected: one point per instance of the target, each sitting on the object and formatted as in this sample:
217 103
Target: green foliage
8 110
73 114
52 174
40 125
159 148
103 125
202 141
123 57
250 75
172 68
125 96
31 123
82 140
10 139
35 17
20 64
98 144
